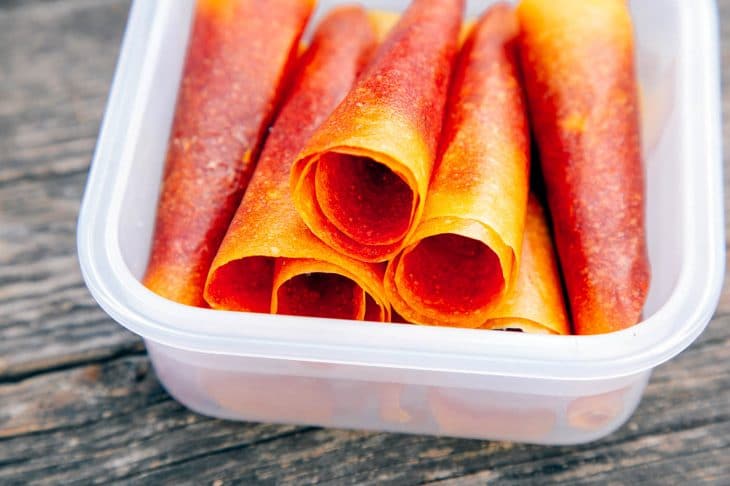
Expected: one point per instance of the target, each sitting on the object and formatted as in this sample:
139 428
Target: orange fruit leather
578 62
269 261
239 56
535 304
360 183
383 22
463 257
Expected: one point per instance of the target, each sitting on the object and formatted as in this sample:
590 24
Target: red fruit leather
578 62
239 56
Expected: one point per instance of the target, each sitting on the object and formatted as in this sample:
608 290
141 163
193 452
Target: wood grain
56 63
80 404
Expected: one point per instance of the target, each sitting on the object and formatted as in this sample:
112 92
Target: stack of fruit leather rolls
269 261
464 255
360 183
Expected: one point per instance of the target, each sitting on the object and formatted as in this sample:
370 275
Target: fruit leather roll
383 22
239 56
464 254
361 181
578 63
535 304
269 261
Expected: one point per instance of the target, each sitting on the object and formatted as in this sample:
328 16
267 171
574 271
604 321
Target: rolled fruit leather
383 22
535 304
578 64
464 255
269 261
361 181
239 57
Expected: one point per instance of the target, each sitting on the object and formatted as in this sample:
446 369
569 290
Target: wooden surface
79 401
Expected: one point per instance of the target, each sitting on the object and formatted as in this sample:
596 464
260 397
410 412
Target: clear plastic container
461 382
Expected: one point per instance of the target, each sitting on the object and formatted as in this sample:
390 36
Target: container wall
332 395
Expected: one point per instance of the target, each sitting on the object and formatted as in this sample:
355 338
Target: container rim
660 337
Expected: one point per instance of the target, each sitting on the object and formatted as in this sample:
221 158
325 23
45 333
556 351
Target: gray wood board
79 402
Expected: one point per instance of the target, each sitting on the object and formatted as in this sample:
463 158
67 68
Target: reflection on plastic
482 414
597 411
391 409
271 398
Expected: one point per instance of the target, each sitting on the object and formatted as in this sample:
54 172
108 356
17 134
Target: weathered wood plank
724 16
104 421
56 63
79 402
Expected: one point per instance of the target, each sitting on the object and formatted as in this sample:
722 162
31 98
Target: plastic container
530 388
